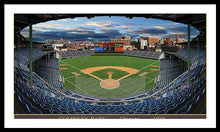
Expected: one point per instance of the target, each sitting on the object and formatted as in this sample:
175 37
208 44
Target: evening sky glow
104 28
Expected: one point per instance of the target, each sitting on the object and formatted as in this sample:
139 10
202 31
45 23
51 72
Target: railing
38 77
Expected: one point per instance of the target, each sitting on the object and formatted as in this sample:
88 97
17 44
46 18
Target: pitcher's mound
109 83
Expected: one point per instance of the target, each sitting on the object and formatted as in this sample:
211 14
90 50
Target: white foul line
143 86
76 86
69 77
148 65
71 65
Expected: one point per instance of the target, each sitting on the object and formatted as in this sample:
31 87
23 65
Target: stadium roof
196 20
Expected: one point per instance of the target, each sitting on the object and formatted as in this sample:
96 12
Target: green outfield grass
116 73
86 84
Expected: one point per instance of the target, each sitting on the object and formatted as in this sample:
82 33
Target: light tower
176 38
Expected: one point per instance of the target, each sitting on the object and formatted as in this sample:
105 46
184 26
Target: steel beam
30 54
188 54
198 51
19 50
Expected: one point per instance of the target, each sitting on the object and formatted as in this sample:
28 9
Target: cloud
171 23
82 32
105 30
183 29
105 25
64 20
152 31
41 29
108 24
53 25
165 31
181 33
110 32
124 26
178 29
130 31
78 28
75 19
74 34
160 27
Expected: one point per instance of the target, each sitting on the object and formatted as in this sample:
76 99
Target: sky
104 28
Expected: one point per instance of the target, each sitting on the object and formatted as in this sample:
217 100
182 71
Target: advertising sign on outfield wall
99 49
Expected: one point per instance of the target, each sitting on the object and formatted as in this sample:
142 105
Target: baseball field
109 76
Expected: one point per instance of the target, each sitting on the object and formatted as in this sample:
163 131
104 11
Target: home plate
109 83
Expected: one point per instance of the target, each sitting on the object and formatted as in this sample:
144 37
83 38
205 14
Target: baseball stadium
110 78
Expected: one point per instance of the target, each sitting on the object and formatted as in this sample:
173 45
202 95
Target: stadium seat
182 110
46 83
203 110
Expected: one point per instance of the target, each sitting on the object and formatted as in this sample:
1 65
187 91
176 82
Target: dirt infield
110 83
63 68
154 65
76 74
110 75
63 64
142 74
154 69
127 69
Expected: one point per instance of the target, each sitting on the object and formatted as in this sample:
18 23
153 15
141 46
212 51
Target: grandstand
144 54
73 54
180 84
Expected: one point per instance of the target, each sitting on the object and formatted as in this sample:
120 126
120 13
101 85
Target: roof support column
19 50
30 54
188 54
198 51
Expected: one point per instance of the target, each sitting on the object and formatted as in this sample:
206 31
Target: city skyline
105 28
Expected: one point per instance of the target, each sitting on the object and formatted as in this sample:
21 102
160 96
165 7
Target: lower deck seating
169 70
44 98
36 101
49 71
144 54
73 54
24 54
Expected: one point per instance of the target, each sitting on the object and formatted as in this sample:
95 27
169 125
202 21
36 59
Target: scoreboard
109 47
